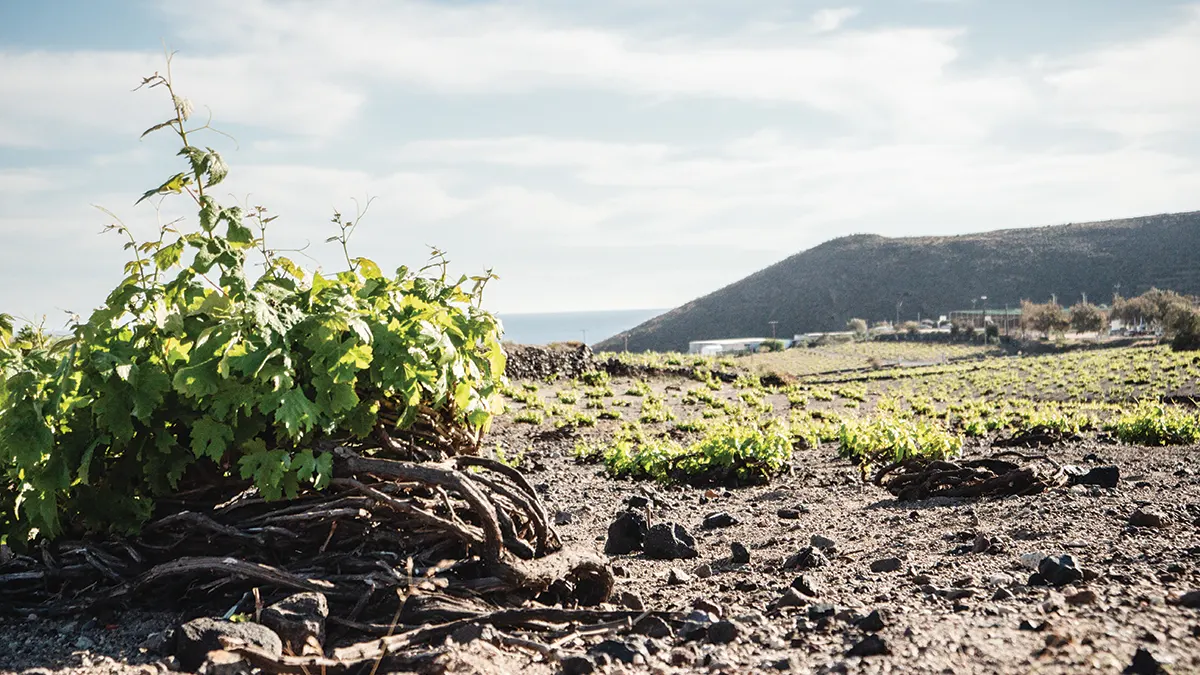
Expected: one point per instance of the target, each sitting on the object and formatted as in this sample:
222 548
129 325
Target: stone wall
537 362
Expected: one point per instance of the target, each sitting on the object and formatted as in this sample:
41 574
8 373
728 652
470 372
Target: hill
866 275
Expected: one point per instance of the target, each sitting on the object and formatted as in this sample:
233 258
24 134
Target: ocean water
589 327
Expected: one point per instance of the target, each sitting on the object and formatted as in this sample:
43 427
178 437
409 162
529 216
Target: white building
728 346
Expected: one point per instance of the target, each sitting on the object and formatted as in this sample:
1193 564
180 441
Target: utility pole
626 343
584 331
899 304
772 328
983 319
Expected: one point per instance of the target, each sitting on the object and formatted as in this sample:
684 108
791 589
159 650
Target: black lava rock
805 585
297 619
806 558
620 650
723 632
790 598
871 645
669 541
1144 663
652 626
1059 571
873 622
719 519
196 638
887 565
1144 518
1191 600
626 534
739 554
638 502
578 665
1103 476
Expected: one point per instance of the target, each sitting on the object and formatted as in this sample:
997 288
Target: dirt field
840 578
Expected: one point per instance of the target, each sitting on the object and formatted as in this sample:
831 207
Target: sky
595 155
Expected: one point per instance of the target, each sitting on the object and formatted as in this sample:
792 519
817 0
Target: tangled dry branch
922 478
383 531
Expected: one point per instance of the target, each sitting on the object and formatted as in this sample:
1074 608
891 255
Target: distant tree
1167 310
1187 332
962 329
1043 318
911 327
858 327
1085 317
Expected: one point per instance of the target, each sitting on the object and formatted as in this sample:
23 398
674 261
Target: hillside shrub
203 368
773 346
858 327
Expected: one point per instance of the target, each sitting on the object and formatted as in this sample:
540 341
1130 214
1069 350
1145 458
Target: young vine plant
200 371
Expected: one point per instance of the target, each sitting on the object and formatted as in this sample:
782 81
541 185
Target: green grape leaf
296 413
150 384
196 157
217 169
210 213
198 380
210 438
368 268
266 467
239 234
342 397
169 255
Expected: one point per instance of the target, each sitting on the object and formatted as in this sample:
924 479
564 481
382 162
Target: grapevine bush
1156 424
200 370
728 453
887 440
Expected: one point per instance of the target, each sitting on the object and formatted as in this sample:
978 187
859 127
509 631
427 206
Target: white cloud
889 78
827 20
572 208
1136 89
53 98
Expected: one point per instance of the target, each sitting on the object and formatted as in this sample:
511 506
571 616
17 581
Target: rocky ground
937 586
818 572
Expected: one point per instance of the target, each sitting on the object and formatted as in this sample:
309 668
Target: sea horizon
590 327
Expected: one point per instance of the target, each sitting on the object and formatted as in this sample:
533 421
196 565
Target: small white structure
837 336
728 346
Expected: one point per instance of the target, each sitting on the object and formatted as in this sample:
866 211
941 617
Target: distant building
802 339
1007 320
729 346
